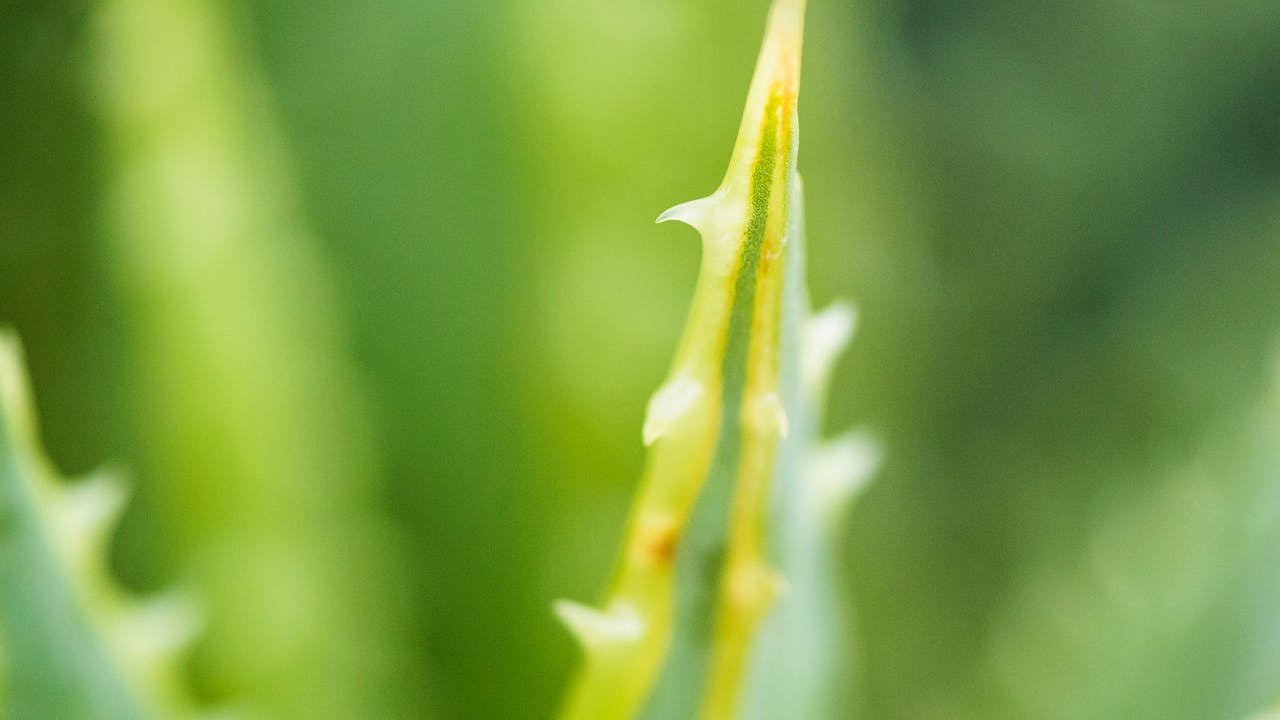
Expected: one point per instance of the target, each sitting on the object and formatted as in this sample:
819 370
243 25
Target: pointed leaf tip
693 213
86 511
671 402
840 468
596 628
160 627
826 335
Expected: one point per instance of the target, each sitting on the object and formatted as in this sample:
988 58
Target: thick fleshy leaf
72 646
731 527
257 467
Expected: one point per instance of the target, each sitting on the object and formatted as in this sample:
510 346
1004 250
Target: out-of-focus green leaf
1169 609
259 478
72 645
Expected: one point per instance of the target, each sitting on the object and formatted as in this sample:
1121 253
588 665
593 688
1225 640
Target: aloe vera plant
72 644
725 602
262 476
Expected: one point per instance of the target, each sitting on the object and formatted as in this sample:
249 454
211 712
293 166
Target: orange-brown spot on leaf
656 538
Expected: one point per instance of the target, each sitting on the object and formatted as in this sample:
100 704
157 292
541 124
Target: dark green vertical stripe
699 561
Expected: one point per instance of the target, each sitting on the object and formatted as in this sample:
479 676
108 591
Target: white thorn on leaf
755 584
84 513
668 404
840 468
826 335
596 628
159 627
767 414
694 213
91 506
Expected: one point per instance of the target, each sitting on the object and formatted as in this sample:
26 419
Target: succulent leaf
1182 571
72 645
253 415
729 555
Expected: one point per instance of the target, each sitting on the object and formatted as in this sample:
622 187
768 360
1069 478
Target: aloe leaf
73 646
1169 607
728 556
258 471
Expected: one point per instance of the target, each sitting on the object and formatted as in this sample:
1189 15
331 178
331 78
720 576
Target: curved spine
706 558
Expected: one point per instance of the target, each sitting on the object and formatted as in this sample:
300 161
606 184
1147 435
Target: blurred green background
1060 221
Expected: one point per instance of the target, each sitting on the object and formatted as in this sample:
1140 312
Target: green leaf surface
733 529
258 478
71 646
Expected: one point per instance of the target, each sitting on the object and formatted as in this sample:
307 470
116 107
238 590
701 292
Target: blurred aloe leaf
726 573
72 645
1169 607
259 470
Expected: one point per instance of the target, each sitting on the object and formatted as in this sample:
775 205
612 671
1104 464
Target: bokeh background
369 299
